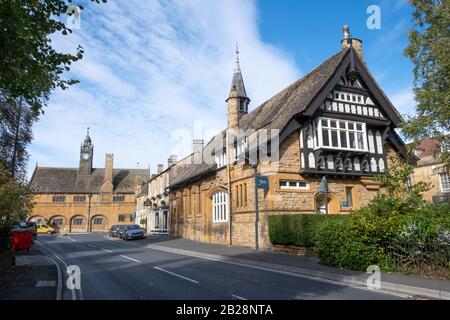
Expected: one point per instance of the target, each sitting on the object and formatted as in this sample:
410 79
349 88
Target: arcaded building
85 199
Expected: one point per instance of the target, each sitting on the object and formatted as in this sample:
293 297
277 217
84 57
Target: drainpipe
88 227
230 202
254 167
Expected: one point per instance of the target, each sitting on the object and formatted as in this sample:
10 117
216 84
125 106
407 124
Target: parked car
114 231
44 228
132 231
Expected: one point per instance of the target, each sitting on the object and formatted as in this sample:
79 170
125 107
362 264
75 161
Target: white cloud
150 68
404 101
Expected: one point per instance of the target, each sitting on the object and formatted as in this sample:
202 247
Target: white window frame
221 159
441 184
320 145
293 185
220 207
351 95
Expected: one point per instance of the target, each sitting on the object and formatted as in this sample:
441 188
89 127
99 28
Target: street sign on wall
262 182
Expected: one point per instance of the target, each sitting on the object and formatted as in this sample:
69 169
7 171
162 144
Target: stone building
431 170
335 122
152 201
85 199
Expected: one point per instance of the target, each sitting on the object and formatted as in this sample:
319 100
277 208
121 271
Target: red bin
21 240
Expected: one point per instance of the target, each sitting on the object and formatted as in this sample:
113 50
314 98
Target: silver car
132 231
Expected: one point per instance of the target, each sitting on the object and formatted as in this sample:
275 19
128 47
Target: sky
156 73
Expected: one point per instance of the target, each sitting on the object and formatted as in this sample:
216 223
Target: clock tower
86 154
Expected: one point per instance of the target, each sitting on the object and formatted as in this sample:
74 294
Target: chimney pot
350 41
198 151
160 168
172 160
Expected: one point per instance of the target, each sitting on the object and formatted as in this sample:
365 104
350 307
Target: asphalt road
115 269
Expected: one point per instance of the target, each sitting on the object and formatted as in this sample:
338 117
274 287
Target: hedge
295 229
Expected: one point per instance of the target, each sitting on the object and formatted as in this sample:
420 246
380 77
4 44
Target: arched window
381 165
371 142
220 207
310 141
357 164
373 165
311 160
379 142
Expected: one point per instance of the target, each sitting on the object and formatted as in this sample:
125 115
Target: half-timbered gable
335 122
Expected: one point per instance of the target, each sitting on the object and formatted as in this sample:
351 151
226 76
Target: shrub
295 229
339 244
397 219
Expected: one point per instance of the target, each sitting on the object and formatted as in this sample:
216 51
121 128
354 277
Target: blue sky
156 73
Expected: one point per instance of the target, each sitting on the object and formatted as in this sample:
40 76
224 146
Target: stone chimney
198 151
107 186
354 42
137 185
160 168
172 160
109 167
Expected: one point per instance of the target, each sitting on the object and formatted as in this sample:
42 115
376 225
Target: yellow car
43 228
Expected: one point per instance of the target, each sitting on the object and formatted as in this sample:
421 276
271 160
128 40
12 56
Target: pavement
161 267
34 277
406 284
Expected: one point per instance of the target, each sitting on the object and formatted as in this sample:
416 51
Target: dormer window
221 159
341 134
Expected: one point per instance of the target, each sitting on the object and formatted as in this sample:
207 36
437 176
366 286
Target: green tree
16 200
428 49
397 183
30 69
16 120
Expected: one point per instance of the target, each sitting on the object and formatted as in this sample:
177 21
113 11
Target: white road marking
74 295
238 297
109 251
131 259
174 274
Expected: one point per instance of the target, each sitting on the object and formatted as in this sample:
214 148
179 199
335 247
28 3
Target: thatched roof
275 113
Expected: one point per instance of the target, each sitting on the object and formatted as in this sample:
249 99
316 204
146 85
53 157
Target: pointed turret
237 100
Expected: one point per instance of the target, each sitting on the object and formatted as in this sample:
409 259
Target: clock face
85 156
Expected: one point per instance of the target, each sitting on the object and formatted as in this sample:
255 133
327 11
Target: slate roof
67 180
144 190
427 148
238 84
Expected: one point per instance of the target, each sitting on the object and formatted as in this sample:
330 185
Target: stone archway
78 223
99 223
58 221
37 219
319 203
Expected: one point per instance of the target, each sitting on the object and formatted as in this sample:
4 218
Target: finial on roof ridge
238 67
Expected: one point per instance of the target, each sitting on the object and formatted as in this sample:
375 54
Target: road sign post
323 188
